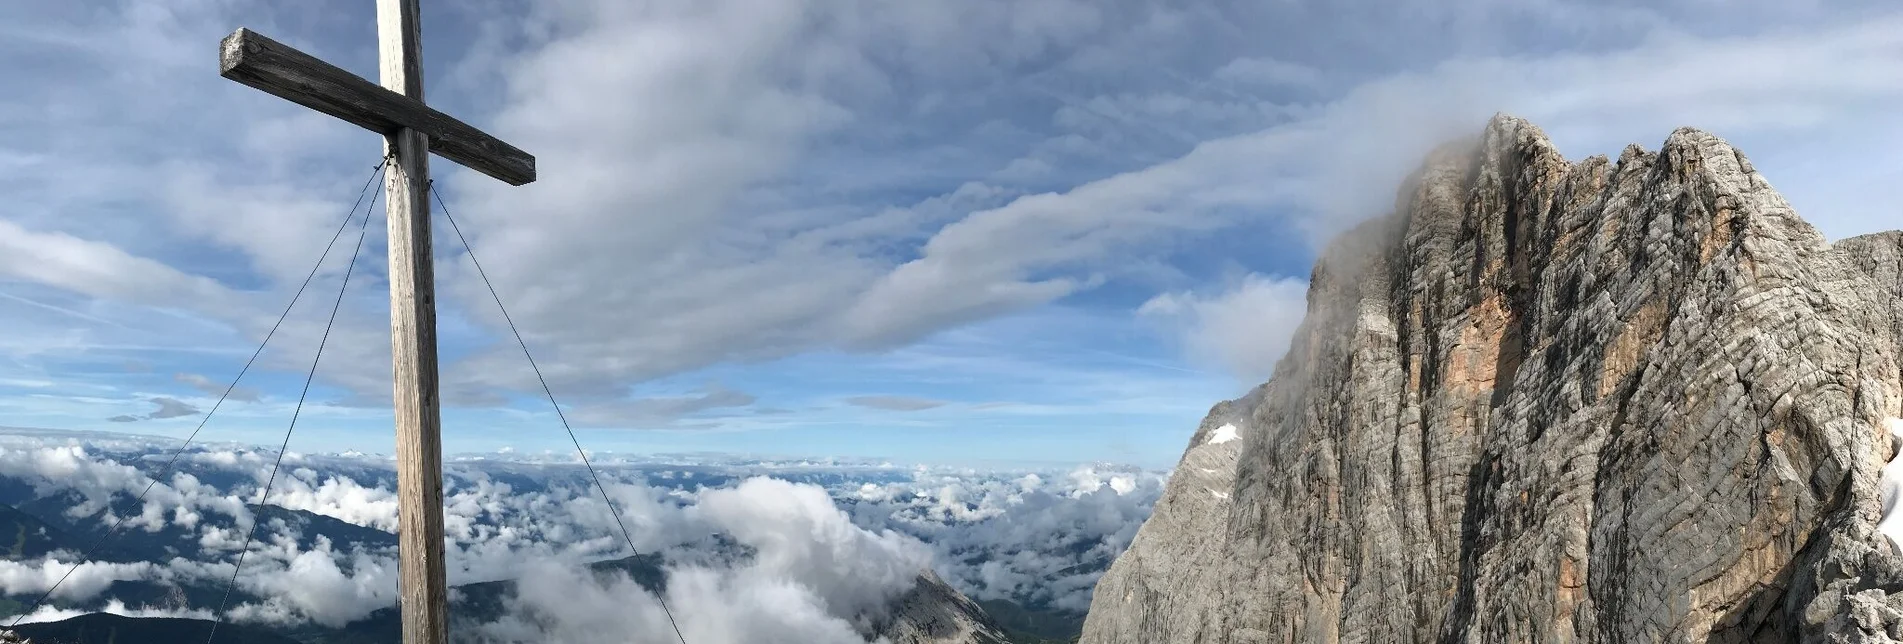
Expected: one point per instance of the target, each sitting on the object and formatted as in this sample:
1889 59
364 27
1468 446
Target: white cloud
71 467
171 408
1245 329
800 535
113 607
97 269
206 386
752 215
825 558
1040 540
338 497
1890 484
815 577
87 579
1336 163
660 411
560 605
895 403
312 586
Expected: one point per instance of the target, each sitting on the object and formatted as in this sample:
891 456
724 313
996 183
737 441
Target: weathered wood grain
422 590
280 70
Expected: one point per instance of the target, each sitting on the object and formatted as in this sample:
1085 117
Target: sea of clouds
831 543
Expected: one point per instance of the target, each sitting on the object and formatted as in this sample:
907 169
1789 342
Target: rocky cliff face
1607 401
935 613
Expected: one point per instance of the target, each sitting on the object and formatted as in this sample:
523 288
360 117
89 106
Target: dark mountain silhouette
100 628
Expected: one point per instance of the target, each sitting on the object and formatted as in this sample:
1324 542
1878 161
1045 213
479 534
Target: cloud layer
858 176
826 548
1244 330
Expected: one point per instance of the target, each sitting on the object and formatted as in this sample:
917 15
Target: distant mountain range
36 521
933 613
101 628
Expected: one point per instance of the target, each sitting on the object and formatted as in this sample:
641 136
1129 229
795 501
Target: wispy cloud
856 179
1245 329
895 403
171 408
206 386
663 411
60 309
168 408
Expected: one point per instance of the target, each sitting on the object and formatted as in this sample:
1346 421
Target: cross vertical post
422 590
411 130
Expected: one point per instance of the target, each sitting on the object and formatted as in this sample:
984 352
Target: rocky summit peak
1628 400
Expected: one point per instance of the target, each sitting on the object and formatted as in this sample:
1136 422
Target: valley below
831 551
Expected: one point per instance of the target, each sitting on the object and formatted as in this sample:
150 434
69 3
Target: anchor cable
256 514
113 531
551 399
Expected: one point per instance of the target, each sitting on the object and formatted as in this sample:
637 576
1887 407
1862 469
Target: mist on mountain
746 550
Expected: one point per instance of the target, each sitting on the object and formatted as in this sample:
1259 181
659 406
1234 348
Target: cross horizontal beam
280 70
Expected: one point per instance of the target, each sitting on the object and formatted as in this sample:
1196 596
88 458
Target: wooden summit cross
411 130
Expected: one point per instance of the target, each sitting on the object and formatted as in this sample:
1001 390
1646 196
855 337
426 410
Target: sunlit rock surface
935 613
1628 400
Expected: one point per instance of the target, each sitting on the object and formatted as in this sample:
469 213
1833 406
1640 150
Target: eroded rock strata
1628 400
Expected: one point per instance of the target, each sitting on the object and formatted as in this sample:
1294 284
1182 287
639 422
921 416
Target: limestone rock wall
1626 400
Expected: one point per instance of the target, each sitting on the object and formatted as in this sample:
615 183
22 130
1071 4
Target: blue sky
941 231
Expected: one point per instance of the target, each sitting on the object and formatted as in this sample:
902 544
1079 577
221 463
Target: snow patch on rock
1891 483
1224 434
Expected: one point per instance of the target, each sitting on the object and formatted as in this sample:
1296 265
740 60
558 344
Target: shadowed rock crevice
1544 401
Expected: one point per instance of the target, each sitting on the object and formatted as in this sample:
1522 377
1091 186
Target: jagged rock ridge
1546 401
933 612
